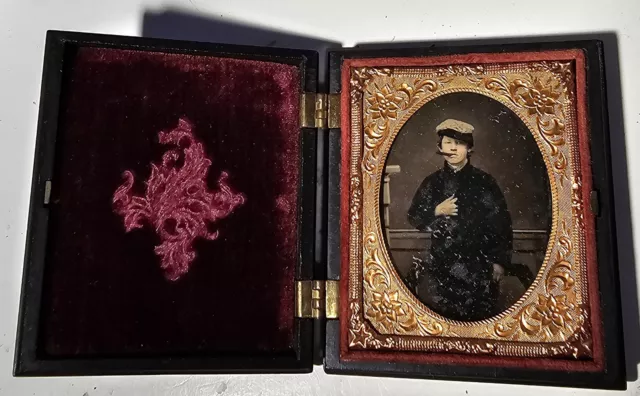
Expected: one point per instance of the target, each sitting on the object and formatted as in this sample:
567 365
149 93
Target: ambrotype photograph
466 206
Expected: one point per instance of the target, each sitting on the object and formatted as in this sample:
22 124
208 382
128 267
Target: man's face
455 150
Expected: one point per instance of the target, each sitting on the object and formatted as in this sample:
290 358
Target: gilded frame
554 317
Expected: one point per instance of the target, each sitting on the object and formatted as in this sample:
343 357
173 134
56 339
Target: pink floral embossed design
176 201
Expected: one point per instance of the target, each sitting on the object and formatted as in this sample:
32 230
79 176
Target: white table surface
22 31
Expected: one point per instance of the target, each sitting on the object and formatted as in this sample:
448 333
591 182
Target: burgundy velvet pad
105 292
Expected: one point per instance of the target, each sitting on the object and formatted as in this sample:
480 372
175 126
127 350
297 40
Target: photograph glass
466 206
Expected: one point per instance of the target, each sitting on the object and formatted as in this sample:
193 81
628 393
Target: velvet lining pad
105 293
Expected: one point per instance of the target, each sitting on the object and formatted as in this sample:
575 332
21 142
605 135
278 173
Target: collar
456 169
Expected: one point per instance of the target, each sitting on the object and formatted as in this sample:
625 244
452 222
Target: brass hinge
333 112
317 299
319 110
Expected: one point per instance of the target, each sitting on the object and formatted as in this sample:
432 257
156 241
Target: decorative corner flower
384 104
359 336
552 312
386 308
540 98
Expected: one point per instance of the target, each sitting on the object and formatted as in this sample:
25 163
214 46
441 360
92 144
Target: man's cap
456 129
455 125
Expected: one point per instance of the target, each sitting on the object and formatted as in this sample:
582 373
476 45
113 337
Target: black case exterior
28 360
613 376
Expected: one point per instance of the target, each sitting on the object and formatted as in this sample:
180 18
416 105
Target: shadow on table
182 25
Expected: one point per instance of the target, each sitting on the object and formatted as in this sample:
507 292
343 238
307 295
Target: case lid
172 209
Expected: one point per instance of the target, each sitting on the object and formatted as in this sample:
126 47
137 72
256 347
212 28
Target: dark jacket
463 248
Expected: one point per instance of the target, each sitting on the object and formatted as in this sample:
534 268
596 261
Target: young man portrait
465 212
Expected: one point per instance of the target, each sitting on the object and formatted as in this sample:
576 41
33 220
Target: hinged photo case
463 201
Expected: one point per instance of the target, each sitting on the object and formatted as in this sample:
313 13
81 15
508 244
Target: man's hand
498 273
447 207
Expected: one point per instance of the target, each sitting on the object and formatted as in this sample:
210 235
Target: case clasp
47 193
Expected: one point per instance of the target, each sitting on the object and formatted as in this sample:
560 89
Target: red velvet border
597 364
